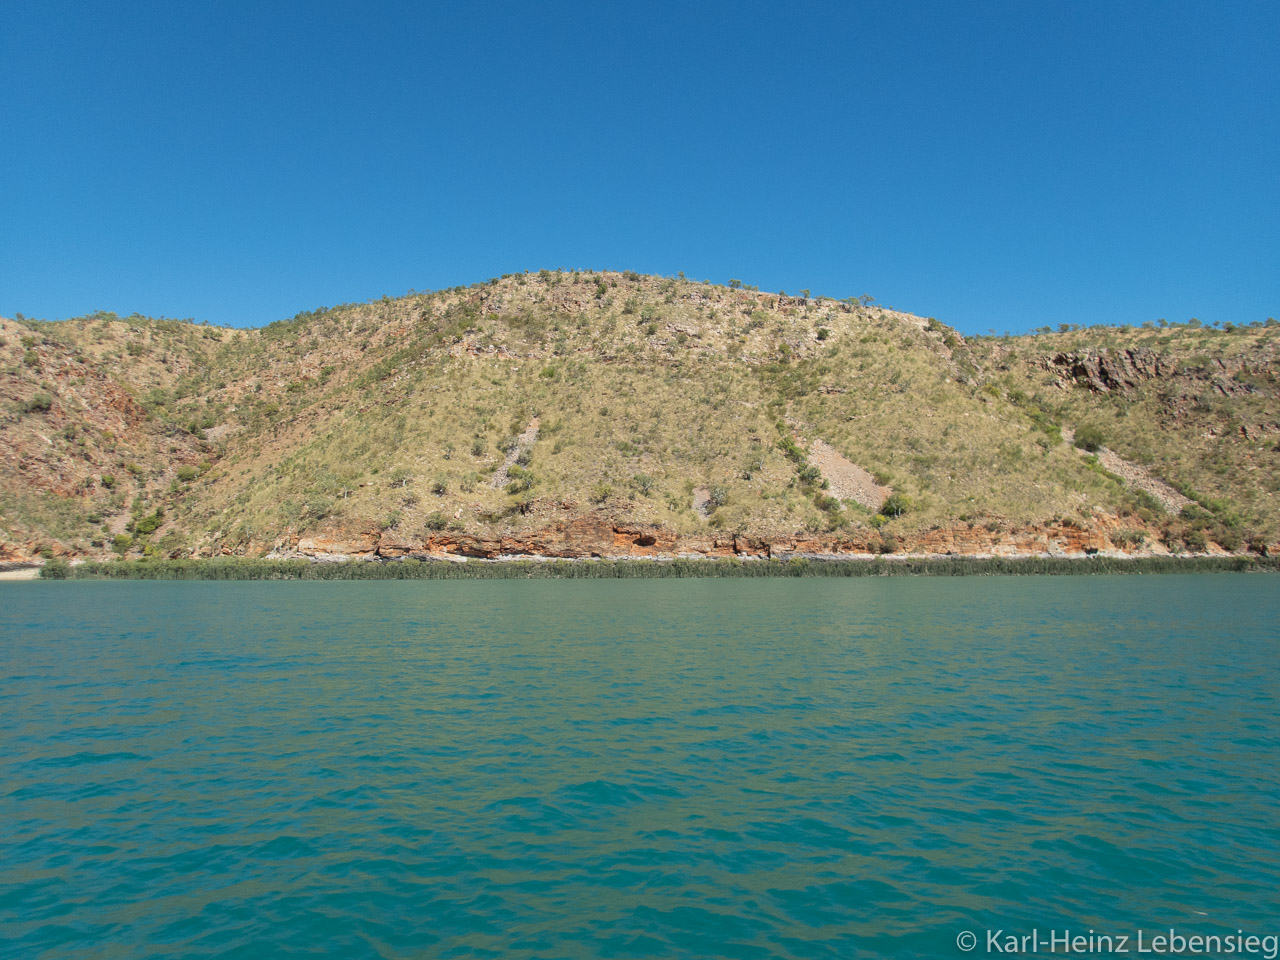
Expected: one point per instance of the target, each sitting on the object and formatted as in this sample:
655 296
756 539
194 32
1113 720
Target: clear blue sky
996 165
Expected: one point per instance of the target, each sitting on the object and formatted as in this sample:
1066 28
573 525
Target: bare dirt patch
523 444
702 502
221 431
1135 476
846 480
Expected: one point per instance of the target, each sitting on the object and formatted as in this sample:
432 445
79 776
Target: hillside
571 414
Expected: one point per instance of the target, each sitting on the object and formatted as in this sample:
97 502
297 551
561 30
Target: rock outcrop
595 536
1105 371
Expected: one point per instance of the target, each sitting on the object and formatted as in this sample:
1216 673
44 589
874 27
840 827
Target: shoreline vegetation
524 569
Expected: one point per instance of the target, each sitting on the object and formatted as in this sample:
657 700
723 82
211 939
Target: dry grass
396 415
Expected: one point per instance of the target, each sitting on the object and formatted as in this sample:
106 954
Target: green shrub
1228 538
148 525
1146 502
520 479
319 507
187 473
791 450
1089 438
1128 538
55 570
40 403
896 505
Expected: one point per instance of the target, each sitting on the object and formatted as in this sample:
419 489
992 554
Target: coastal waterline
786 768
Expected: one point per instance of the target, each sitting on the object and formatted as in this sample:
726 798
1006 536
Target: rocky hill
602 413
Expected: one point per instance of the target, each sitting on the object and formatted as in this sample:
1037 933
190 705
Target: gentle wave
632 769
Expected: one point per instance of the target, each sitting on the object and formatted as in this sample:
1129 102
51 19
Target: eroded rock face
16 553
1104 371
582 537
392 545
339 542
587 536
593 536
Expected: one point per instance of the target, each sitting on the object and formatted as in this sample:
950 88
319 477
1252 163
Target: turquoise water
710 768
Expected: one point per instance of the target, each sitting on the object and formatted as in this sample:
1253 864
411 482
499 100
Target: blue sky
996 165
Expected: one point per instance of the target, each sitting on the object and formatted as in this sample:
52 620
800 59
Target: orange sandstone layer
595 536
598 537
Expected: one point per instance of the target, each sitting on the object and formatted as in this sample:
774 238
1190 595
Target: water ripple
631 769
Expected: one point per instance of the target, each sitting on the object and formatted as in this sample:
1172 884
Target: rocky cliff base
598 537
